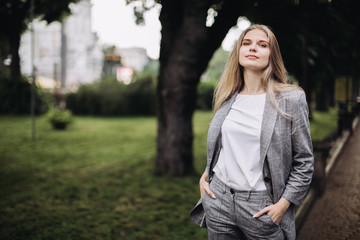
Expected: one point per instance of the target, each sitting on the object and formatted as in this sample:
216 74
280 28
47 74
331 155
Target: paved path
336 215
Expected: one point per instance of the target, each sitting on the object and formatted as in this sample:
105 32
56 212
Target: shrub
108 97
59 118
205 95
15 96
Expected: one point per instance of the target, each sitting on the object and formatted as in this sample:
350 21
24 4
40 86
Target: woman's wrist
204 178
284 203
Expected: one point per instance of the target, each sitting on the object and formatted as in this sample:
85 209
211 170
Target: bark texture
187 45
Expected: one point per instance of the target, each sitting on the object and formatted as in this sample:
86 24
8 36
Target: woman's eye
263 45
245 43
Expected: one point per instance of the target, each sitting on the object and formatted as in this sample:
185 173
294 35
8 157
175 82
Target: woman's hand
205 186
275 211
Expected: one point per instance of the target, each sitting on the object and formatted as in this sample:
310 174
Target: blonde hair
273 78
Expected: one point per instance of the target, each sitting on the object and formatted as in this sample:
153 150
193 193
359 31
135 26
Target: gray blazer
288 158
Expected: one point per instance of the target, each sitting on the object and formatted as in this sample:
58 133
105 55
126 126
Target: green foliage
140 8
18 12
216 66
15 96
205 95
323 124
210 79
311 52
56 115
59 118
152 68
109 97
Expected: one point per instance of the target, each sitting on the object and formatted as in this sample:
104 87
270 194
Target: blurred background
105 106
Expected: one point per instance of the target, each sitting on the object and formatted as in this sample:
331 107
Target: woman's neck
252 83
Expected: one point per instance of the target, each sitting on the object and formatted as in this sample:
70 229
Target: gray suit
288 158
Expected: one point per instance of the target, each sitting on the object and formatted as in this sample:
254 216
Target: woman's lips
251 56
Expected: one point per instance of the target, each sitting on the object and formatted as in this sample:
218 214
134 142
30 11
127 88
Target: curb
338 148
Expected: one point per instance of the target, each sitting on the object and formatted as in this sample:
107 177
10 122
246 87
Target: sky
114 22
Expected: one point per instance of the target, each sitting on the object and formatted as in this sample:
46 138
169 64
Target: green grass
95 181
323 124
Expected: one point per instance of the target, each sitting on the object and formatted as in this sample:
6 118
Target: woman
259 150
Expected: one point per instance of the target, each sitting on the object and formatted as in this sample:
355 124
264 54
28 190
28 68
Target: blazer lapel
267 127
222 113
215 126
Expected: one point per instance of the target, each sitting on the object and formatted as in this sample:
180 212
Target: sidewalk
336 215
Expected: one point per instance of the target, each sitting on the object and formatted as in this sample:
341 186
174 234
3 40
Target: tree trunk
305 83
15 57
187 45
175 134
176 91
14 36
322 96
332 102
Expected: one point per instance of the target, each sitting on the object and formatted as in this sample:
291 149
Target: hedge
15 96
109 97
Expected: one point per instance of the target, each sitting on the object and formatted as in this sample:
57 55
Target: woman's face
254 51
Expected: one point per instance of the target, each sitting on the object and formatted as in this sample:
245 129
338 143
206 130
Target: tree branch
171 19
227 17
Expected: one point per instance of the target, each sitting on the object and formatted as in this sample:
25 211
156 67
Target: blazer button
266 179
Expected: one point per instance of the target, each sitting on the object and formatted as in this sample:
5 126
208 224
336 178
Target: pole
32 101
63 56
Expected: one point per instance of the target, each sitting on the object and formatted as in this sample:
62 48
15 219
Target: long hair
272 80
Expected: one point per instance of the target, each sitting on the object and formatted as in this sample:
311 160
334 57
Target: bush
109 97
59 115
15 96
205 95
59 118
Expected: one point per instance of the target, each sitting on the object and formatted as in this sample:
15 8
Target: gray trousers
229 216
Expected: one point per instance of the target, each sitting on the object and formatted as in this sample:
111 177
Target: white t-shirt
239 164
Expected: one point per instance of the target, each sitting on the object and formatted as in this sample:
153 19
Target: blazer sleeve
300 176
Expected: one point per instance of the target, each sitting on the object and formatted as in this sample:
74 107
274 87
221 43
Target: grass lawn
323 124
95 181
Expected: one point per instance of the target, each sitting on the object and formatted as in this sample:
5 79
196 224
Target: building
135 57
123 62
68 52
